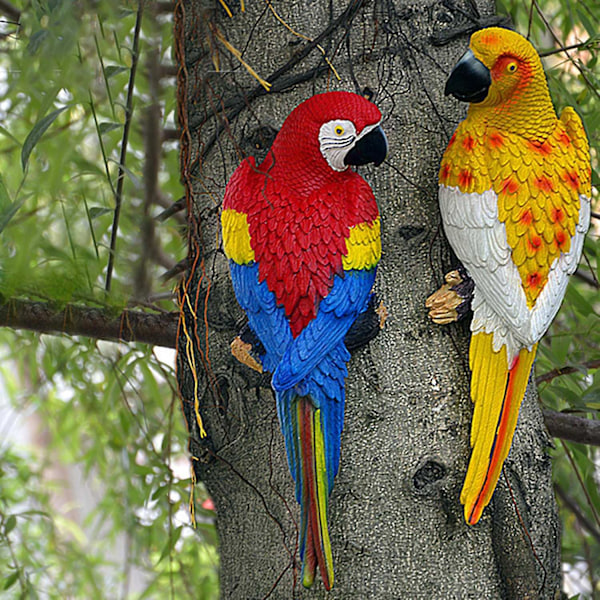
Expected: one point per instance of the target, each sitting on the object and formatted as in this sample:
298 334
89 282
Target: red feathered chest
299 239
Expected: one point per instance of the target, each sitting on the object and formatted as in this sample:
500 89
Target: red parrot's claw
382 311
242 351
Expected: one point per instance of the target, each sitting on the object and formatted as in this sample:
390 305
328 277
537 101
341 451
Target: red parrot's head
329 132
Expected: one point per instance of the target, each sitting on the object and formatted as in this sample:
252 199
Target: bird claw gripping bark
244 352
453 300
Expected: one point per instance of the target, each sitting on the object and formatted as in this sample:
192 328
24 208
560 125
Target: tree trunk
396 523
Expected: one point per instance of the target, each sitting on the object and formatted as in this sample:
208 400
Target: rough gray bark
397 527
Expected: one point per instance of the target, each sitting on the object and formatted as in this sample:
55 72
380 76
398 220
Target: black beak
470 79
372 148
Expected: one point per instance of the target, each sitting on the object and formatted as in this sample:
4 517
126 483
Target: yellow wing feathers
236 237
497 392
573 127
363 246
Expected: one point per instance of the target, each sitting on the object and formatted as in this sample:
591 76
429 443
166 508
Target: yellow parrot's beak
470 79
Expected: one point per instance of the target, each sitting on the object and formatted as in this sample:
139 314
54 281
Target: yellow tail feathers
497 393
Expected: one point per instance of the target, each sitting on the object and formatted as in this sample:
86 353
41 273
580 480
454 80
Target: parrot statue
301 231
514 194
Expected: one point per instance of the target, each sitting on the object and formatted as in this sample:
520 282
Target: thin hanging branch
589 84
584 488
124 142
150 243
587 45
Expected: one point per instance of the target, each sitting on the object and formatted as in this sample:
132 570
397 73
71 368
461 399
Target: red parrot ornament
515 189
301 231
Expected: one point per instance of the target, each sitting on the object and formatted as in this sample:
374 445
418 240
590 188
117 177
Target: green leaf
107 126
10 524
10 580
38 513
113 70
8 209
132 176
160 491
592 398
36 41
568 395
98 211
559 349
36 133
168 548
590 27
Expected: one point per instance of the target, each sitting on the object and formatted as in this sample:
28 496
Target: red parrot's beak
470 79
370 147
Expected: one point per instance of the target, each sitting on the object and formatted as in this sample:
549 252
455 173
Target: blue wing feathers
314 363
267 320
337 311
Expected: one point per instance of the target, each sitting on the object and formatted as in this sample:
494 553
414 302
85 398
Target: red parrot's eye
511 67
339 130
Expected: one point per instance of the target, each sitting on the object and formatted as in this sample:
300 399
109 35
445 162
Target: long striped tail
315 547
312 442
497 392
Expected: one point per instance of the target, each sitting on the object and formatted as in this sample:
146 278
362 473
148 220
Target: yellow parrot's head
501 68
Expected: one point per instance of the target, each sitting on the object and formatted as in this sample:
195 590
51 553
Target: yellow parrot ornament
515 188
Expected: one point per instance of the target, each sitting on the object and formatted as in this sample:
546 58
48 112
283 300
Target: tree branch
572 428
587 45
158 329
550 375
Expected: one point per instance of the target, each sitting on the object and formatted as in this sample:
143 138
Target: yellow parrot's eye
511 67
339 130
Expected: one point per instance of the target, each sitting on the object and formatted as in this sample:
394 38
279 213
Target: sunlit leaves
106 413
36 133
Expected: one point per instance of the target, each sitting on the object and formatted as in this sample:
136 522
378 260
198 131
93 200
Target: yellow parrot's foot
453 300
243 352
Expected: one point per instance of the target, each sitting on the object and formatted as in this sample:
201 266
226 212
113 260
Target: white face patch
336 138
